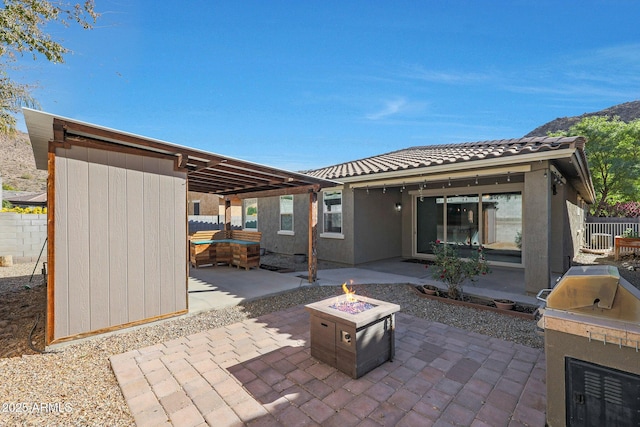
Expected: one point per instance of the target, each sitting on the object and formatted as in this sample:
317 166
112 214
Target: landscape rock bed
524 311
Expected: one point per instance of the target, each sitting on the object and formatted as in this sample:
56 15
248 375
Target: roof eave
456 166
40 126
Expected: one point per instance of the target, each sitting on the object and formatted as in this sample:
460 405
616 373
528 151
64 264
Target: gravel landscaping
74 384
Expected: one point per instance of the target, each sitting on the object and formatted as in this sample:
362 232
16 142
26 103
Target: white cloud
417 72
390 108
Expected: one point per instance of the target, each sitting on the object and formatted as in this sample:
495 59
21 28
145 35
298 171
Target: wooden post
313 236
51 238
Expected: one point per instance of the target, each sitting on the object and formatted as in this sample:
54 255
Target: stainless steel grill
592 343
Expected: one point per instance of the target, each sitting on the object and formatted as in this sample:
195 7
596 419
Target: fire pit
352 334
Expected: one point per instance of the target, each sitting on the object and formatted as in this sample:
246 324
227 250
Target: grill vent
592 386
613 391
597 386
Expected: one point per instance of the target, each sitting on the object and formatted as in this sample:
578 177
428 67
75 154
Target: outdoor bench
624 242
232 247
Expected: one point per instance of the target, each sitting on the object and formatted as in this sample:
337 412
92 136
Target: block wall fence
22 236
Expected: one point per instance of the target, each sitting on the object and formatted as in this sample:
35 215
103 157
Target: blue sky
306 84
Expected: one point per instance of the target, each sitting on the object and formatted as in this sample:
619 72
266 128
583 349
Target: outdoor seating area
261 372
230 247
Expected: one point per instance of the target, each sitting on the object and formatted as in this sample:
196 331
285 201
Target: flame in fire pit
351 304
350 293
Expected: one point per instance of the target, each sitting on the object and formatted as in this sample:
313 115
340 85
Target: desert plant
453 270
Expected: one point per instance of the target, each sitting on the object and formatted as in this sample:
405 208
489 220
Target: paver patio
259 372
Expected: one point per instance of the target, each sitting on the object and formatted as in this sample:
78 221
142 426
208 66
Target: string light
476 179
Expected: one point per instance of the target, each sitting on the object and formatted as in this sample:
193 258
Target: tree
22 24
613 151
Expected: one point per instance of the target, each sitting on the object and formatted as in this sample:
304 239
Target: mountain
627 112
17 165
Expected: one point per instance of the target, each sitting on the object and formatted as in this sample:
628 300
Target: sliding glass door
502 225
430 222
462 223
470 220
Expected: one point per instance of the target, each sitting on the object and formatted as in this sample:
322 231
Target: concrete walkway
260 373
214 288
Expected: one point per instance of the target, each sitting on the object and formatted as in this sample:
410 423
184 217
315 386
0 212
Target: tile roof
434 155
22 196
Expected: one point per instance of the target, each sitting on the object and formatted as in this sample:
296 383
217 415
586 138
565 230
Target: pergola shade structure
117 219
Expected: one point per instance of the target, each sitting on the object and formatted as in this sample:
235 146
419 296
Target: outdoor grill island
592 345
352 336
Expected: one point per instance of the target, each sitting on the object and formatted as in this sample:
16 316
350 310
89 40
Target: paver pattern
260 372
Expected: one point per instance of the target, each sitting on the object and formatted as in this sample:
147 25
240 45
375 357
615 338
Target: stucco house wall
209 203
377 225
275 240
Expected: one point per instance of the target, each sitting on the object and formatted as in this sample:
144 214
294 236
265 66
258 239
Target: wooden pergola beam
279 192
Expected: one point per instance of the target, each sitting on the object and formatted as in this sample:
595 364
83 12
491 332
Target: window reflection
462 223
462 220
502 225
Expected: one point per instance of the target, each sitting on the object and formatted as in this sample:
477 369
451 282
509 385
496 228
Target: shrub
453 270
30 210
621 210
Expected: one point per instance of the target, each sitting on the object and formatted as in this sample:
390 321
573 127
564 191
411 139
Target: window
503 226
196 207
286 213
332 211
493 220
250 214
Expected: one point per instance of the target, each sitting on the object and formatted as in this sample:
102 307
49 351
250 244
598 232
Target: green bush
453 270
